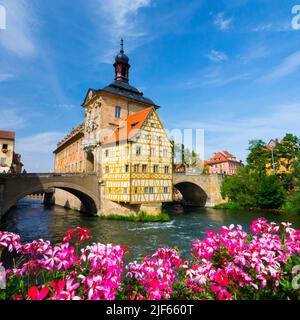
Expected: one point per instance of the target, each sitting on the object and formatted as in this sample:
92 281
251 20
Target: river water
32 220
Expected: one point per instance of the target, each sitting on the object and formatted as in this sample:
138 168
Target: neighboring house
10 162
222 162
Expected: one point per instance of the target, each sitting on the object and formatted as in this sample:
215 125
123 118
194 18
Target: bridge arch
88 200
192 193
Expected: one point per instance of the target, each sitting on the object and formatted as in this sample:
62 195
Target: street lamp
272 145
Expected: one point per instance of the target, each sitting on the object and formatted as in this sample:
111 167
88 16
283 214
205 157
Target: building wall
67 200
117 180
71 158
6 158
129 176
228 168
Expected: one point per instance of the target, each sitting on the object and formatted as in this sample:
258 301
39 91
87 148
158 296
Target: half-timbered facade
137 161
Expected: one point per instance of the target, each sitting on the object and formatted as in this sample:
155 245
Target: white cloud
11 119
222 22
18 35
44 142
233 133
6 77
289 66
121 14
263 27
215 77
37 150
217 56
254 52
120 18
279 26
65 106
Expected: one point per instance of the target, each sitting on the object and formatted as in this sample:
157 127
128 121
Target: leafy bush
228 205
241 188
270 193
249 189
140 217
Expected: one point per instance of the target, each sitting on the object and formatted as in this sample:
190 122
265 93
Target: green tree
270 193
294 203
287 151
259 156
241 188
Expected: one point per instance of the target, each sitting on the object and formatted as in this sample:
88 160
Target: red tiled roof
220 157
9 135
129 127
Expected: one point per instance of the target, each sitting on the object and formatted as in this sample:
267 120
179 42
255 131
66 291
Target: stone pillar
214 194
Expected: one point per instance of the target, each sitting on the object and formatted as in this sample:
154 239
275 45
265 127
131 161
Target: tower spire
121 65
122 46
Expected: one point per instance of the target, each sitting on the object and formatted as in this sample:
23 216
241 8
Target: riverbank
236 206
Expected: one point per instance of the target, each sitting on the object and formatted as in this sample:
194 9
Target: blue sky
231 67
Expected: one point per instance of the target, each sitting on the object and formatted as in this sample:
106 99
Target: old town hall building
123 141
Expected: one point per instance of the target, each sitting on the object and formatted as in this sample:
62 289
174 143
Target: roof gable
130 127
89 96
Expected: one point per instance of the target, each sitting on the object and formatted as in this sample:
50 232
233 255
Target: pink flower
10 241
223 294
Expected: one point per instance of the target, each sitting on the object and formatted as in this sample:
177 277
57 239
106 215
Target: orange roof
129 127
9 135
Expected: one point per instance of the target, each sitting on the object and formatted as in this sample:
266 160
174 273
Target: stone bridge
199 190
84 186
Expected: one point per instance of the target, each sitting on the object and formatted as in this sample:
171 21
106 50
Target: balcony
89 144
